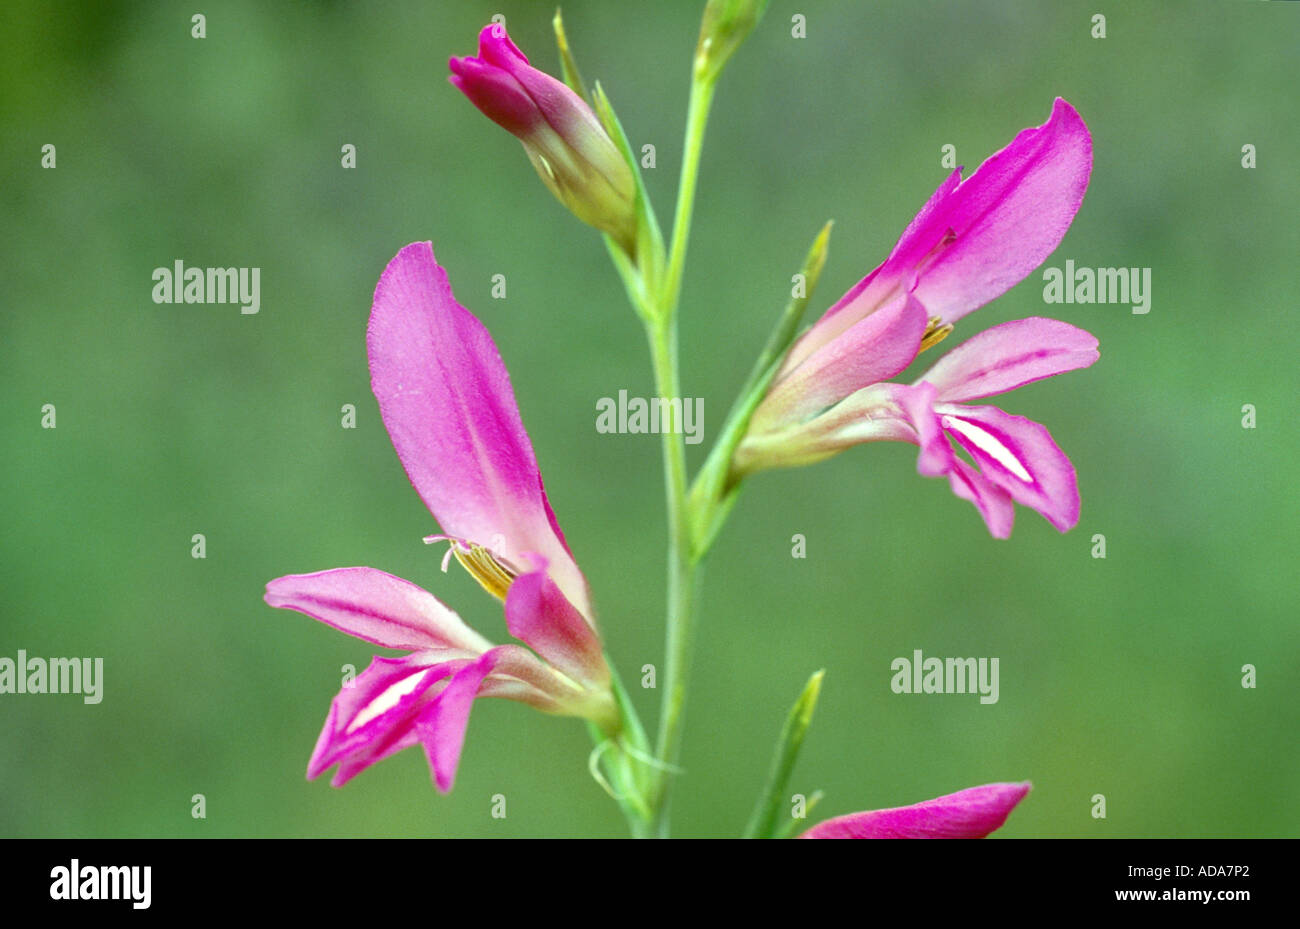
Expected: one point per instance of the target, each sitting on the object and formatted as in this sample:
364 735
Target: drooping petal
1018 455
938 458
446 400
1007 217
538 613
382 711
994 503
917 404
375 607
374 715
968 814
1011 355
868 352
442 723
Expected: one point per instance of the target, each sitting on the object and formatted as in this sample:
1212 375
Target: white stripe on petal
986 442
387 700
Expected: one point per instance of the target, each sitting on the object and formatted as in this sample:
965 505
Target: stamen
935 332
492 575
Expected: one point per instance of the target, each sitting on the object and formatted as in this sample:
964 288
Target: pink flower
1016 457
446 401
565 141
971 242
968 814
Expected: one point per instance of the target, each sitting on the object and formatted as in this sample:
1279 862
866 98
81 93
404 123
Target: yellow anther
934 333
492 575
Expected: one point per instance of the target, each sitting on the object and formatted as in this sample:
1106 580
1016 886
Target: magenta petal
917 404
565 111
868 352
1011 355
446 401
374 715
442 724
376 607
994 503
937 458
897 274
1008 216
497 48
498 95
968 814
1018 455
539 614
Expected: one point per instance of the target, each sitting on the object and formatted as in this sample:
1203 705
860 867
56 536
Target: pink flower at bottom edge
968 814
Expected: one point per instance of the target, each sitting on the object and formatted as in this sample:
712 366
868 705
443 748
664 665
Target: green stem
682 574
697 117
681 579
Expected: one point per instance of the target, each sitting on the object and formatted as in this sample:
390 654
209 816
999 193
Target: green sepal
642 270
568 66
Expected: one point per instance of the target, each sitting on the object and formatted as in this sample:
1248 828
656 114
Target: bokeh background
1119 676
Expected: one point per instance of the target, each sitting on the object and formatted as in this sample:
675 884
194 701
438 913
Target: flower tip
274 595
496 47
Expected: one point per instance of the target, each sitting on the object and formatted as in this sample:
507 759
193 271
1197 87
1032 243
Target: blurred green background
1119 676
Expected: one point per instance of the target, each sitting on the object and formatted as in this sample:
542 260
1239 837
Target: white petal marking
986 442
387 700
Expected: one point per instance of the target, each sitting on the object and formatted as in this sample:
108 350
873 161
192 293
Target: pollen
492 575
935 332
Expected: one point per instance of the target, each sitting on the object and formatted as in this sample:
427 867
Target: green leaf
714 493
762 824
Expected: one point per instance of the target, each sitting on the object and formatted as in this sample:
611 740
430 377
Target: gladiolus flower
1016 457
971 242
446 400
565 141
968 814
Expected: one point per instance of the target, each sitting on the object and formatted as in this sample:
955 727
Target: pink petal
974 239
994 503
446 399
497 48
498 95
917 404
868 352
442 724
1018 455
968 814
895 276
1011 355
374 716
538 613
1007 217
375 607
937 458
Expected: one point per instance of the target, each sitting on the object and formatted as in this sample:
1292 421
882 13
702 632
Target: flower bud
565 141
